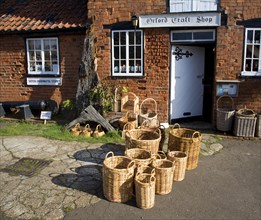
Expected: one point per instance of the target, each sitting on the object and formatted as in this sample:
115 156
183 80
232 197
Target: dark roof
38 15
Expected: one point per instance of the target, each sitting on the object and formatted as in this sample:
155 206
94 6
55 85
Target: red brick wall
229 52
155 83
13 70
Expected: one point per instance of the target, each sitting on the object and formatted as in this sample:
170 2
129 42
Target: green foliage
103 96
68 104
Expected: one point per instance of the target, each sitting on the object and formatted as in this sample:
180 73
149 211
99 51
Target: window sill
44 81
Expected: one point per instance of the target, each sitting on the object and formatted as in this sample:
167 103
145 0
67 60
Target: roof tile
31 15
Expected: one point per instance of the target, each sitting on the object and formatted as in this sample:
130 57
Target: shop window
42 56
252 52
127 53
192 5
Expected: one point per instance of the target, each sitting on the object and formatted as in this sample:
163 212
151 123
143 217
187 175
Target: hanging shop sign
212 19
42 81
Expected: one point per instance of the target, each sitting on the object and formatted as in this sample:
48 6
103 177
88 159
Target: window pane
131 66
32 66
249 51
31 44
123 38
48 66
116 38
257 37
47 55
123 66
38 45
116 53
131 51
248 65
31 56
53 44
38 55
182 36
54 55
256 51
203 35
255 65
123 52
131 38
39 67
249 36
46 45
138 37
116 66
138 52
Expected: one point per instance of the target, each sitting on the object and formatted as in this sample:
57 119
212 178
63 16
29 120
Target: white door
187 72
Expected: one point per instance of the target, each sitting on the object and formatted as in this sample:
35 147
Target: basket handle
152 179
127 126
109 153
223 96
162 152
77 125
176 125
149 99
155 156
130 164
87 126
195 133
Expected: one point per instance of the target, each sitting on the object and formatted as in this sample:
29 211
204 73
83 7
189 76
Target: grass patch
52 131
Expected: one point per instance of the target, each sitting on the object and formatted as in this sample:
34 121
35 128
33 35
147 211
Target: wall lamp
135 21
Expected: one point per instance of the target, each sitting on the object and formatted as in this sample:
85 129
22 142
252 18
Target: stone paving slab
73 179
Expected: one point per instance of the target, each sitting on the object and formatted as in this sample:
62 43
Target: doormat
26 166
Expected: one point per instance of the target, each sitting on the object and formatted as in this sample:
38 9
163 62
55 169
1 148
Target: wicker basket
130 118
147 113
87 131
180 160
98 132
145 190
128 126
144 139
76 130
130 103
245 123
186 140
225 116
154 124
145 169
118 175
164 170
140 156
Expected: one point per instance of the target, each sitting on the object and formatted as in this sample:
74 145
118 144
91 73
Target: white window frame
253 43
193 32
137 70
41 70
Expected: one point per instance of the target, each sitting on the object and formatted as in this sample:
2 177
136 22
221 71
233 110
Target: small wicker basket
98 132
130 103
145 190
180 160
186 140
87 131
118 175
76 130
144 139
146 112
164 170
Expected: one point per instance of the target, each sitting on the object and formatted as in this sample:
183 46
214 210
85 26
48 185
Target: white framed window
42 56
252 52
193 5
193 36
127 53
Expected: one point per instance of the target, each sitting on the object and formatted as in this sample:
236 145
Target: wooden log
90 114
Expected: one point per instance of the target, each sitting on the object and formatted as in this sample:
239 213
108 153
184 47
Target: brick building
183 53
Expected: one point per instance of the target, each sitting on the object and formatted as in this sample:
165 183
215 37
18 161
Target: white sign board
46 115
210 19
44 81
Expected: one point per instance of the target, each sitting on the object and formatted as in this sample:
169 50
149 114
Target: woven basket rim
163 161
171 131
117 157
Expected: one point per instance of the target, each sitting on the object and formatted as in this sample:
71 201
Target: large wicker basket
144 139
186 140
245 123
129 118
148 111
141 157
164 170
145 190
118 176
225 115
180 160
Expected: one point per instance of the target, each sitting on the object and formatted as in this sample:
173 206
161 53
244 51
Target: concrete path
71 185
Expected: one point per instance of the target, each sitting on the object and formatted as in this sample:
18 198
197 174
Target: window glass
203 35
42 56
252 53
182 36
127 53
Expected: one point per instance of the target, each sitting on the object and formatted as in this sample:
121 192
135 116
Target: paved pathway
72 180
